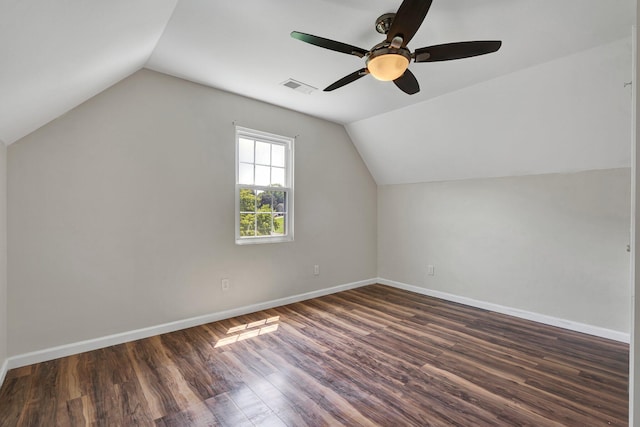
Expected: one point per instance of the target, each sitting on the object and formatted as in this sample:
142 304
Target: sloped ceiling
567 115
245 47
56 54
59 53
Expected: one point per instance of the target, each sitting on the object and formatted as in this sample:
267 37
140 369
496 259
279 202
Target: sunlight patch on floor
251 330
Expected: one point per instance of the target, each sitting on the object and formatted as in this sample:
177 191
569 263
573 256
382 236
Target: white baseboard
3 371
102 342
523 314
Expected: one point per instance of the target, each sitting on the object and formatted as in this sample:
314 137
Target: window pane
245 151
247 225
280 201
245 174
263 224
265 201
277 155
247 200
262 175
263 153
277 177
279 224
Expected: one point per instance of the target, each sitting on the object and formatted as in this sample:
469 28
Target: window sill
262 240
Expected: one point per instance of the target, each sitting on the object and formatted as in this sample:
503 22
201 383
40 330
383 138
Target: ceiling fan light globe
388 67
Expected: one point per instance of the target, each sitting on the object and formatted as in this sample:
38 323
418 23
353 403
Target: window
264 187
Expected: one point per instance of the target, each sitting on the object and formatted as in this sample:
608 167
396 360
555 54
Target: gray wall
3 253
121 213
550 244
634 356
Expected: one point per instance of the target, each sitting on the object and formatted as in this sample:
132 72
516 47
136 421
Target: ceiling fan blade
408 83
347 79
329 44
408 19
449 51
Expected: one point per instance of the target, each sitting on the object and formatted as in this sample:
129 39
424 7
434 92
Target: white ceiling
59 53
56 54
245 47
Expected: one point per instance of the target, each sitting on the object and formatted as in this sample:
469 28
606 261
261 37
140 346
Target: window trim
288 143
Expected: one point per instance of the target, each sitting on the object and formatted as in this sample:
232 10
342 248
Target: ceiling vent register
299 86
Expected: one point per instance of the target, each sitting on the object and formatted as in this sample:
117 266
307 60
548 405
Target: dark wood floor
370 356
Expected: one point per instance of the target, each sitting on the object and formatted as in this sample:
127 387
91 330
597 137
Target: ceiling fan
389 60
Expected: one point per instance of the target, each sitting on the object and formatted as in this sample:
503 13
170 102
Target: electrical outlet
225 284
431 270
316 270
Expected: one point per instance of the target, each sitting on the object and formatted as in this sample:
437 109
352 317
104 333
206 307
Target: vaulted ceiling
58 53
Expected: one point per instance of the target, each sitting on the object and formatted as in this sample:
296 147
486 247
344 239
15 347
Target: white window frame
287 142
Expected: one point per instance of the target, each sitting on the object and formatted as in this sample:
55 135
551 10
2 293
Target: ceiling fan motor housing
383 23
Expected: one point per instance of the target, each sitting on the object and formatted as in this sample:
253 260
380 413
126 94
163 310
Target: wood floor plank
74 414
227 412
197 415
13 398
254 408
371 356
